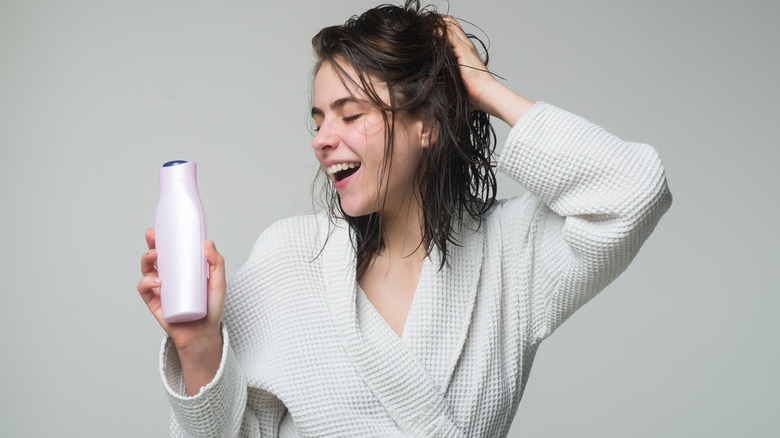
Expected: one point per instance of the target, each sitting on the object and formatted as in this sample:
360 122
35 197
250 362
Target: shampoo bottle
180 237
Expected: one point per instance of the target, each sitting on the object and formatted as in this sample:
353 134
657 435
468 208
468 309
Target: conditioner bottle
180 237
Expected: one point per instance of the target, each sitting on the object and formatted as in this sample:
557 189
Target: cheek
373 126
372 140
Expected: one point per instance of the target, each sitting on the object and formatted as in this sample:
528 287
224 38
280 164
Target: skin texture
391 280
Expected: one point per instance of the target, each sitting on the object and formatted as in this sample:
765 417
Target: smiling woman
415 304
403 66
351 136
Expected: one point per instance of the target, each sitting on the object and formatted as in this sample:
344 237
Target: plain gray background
95 95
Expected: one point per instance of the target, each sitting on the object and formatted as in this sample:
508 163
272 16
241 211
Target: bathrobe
306 354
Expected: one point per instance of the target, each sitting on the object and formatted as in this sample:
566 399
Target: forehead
331 85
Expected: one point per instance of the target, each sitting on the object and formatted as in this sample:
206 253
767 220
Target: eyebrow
338 103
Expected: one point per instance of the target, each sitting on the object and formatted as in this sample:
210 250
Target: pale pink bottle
180 237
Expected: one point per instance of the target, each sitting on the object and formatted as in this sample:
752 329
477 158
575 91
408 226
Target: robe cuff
212 408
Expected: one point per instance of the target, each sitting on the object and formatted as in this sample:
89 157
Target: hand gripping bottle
180 237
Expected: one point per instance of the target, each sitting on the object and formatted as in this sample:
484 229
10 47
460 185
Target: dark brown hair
407 49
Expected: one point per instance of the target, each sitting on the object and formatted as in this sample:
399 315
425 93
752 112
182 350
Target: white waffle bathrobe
305 353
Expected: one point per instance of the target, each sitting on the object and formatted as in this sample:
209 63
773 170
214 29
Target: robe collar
409 376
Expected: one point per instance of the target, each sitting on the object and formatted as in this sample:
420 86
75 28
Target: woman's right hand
198 343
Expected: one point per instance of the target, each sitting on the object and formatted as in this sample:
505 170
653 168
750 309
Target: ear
429 135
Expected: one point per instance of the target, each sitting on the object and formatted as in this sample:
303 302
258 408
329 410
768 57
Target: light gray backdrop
95 95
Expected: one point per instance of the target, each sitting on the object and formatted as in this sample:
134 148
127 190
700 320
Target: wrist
193 349
499 101
200 360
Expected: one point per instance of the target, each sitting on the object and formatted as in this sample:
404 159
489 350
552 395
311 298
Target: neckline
360 294
422 362
424 284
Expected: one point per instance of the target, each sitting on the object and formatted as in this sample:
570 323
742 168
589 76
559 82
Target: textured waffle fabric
305 353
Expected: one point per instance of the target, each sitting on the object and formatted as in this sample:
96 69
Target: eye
351 118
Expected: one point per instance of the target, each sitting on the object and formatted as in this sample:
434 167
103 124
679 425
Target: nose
324 139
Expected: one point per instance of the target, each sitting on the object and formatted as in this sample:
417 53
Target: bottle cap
179 170
173 163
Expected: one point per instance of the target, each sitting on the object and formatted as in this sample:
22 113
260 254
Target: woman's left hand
485 92
474 72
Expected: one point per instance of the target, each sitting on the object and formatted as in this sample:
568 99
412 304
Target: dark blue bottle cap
174 163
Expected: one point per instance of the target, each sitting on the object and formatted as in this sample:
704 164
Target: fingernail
156 281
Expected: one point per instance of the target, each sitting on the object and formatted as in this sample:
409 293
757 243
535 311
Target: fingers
149 286
146 287
455 33
147 263
150 281
465 50
217 285
477 78
451 21
150 237
216 264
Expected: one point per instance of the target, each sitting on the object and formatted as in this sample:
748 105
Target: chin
353 212
353 209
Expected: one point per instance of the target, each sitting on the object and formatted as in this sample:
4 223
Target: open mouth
342 170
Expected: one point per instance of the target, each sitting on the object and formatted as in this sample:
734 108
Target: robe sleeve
220 408
595 199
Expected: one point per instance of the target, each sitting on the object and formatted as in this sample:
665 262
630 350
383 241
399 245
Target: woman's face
350 145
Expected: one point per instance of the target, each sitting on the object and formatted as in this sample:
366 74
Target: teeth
340 166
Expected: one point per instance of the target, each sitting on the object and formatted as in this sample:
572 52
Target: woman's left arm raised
596 198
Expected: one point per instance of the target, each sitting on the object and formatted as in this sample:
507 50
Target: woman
416 306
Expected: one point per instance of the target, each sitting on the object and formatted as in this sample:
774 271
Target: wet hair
407 49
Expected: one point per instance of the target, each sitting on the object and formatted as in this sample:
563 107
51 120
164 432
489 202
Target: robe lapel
439 321
398 380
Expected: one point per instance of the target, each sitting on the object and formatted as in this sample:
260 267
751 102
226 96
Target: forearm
215 407
499 101
200 362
